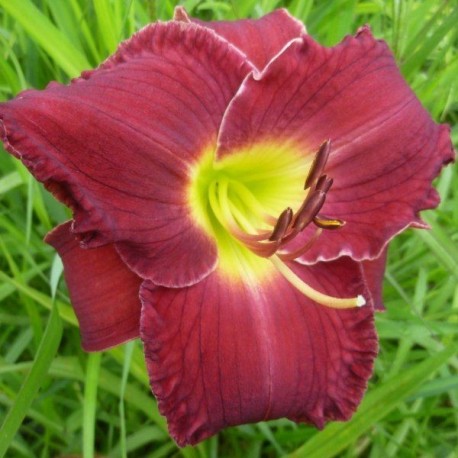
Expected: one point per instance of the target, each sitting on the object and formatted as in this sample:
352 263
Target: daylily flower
234 186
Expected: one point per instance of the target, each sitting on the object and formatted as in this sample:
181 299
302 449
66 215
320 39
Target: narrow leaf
33 381
51 39
377 404
90 403
9 182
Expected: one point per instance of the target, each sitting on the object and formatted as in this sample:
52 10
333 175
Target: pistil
316 296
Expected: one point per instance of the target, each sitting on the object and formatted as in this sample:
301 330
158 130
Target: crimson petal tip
214 365
104 292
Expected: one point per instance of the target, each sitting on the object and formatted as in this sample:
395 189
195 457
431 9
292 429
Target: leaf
377 404
441 245
90 403
33 381
52 40
57 269
9 182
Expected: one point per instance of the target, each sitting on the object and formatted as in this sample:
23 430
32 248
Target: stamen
261 247
324 183
327 223
247 197
282 225
318 163
243 209
226 217
311 206
313 294
291 256
236 208
242 222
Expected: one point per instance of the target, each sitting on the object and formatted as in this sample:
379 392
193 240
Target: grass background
56 400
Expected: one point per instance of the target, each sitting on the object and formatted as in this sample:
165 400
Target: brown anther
324 183
327 223
311 206
288 225
281 225
318 163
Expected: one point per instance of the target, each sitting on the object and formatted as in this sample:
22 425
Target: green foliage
56 400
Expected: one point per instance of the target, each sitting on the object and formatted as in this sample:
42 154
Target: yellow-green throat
255 202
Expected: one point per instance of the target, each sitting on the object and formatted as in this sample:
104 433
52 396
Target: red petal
103 291
119 143
260 39
221 353
385 147
374 272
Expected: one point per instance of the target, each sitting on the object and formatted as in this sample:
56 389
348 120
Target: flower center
255 203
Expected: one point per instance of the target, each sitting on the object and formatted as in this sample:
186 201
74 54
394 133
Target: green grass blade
419 57
128 351
9 182
377 404
108 25
441 246
8 78
90 403
33 381
64 18
65 311
301 9
43 32
57 270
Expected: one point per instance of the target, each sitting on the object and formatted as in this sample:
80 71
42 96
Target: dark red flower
184 158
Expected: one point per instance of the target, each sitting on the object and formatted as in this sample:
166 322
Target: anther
281 225
318 163
289 224
327 223
311 206
324 183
